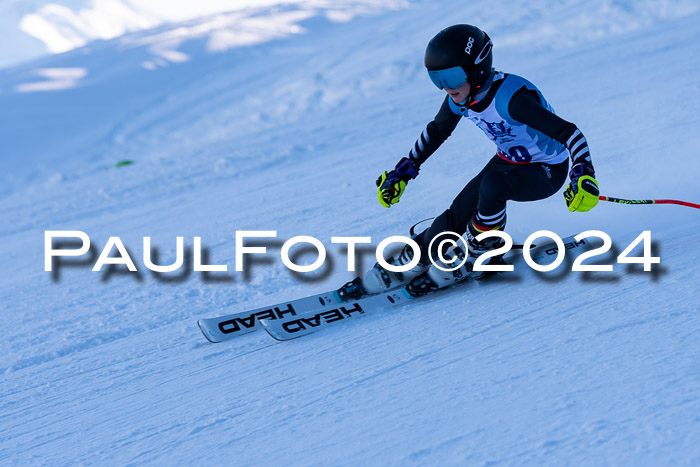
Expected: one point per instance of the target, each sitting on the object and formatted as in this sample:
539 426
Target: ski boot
436 278
378 279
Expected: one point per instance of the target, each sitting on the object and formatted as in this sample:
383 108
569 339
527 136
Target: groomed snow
289 133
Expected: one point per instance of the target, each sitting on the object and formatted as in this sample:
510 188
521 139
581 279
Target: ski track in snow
290 135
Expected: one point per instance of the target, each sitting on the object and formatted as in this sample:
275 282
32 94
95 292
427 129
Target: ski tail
226 327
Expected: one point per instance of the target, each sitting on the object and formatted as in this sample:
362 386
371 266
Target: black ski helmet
461 45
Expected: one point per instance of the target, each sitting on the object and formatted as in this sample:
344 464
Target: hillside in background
280 118
32 28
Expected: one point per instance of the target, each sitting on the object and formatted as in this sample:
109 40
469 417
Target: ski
222 328
233 325
306 323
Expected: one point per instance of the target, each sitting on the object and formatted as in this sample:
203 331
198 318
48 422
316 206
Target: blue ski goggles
448 78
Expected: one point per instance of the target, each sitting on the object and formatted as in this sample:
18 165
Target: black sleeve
437 131
525 107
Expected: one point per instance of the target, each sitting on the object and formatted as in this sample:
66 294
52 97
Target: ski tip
205 331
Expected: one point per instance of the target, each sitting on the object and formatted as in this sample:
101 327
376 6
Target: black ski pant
499 181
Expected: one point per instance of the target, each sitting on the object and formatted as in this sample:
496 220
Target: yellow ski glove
582 193
391 185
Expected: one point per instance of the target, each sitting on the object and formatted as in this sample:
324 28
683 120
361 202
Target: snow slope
32 28
289 134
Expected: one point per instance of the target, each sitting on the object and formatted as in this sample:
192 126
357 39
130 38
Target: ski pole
649 201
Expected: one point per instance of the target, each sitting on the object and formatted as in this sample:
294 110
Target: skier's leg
496 187
378 279
455 219
463 207
519 183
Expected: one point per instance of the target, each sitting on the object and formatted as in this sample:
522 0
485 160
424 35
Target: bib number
519 154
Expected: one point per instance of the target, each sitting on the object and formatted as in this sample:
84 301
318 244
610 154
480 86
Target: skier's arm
526 108
582 192
435 133
391 185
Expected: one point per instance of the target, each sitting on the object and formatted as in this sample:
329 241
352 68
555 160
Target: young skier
530 164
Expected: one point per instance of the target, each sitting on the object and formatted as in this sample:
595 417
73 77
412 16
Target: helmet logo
484 53
468 48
